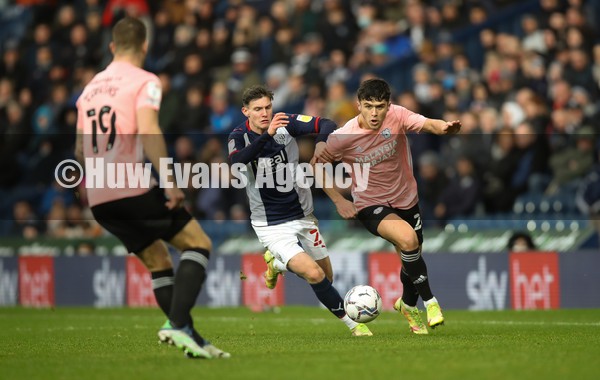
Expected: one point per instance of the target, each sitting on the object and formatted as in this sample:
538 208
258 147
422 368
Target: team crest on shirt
154 93
279 138
386 133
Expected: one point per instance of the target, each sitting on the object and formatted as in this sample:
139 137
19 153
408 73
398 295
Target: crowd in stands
523 76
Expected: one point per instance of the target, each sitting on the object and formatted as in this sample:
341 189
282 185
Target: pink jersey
390 181
107 117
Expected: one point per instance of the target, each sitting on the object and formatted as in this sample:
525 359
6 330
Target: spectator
432 183
26 224
241 74
572 164
498 193
223 115
195 113
520 241
488 74
169 107
461 195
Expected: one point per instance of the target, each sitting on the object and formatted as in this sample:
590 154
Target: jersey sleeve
235 143
302 125
242 153
150 95
409 121
80 116
335 146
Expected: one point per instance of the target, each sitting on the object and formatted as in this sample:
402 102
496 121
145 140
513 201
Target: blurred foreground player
117 121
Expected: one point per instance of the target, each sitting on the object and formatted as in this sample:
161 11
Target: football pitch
299 343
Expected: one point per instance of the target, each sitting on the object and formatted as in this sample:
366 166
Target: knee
314 274
202 241
207 243
154 261
407 241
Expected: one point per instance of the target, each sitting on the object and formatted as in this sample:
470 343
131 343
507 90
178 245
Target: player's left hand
452 127
321 154
175 198
346 209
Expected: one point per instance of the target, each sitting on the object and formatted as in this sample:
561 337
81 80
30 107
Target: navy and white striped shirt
271 206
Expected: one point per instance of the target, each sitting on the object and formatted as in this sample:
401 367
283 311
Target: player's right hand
279 120
175 198
346 209
321 154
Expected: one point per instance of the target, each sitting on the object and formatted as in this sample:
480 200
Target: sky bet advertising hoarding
527 280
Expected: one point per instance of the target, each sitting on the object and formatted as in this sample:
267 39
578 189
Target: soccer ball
362 303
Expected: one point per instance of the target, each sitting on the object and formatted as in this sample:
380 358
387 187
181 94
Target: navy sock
329 297
189 279
416 270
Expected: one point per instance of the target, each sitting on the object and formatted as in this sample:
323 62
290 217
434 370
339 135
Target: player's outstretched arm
441 127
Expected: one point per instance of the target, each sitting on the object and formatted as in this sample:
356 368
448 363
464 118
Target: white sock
349 322
279 265
433 300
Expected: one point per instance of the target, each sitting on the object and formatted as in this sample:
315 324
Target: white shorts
288 239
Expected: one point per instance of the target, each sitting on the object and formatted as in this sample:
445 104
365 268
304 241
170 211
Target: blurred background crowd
522 75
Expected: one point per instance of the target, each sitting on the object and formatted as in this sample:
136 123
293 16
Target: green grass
299 343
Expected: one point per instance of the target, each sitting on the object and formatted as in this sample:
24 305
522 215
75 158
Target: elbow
79 155
327 126
234 159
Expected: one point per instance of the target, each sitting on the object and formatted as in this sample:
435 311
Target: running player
389 205
117 121
283 220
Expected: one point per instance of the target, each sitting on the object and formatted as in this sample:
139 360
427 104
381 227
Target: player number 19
99 122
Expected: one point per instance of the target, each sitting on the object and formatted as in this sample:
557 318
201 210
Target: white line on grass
451 321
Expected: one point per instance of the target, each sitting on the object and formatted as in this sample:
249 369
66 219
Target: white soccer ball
362 303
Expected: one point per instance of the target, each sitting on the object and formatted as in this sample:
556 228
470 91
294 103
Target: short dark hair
255 92
375 90
521 235
129 34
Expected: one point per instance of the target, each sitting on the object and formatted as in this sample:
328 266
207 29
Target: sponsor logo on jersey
271 162
304 118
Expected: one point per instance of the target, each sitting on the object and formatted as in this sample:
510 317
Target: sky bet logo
535 280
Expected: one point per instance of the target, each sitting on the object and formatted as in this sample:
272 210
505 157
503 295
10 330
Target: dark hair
254 93
375 90
129 34
521 235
